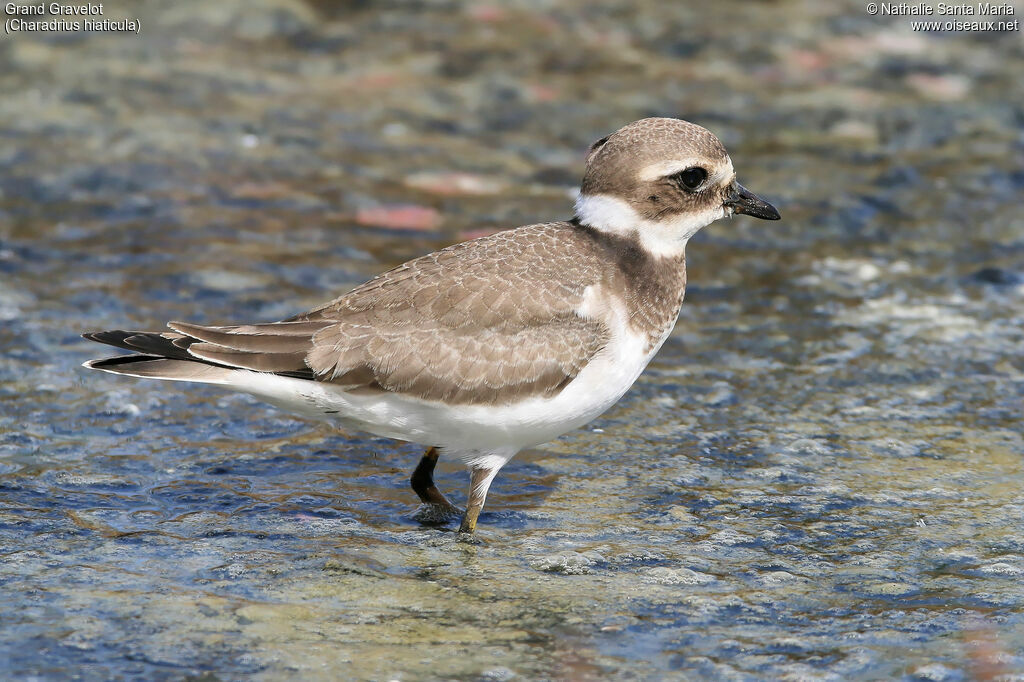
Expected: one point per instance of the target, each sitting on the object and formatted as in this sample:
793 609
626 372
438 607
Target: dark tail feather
163 344
155 367
166 347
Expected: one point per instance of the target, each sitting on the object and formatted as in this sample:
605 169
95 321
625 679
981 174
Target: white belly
468 427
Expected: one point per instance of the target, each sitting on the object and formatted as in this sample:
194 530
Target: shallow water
819 477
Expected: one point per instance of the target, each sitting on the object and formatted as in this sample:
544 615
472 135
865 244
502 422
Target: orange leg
479 481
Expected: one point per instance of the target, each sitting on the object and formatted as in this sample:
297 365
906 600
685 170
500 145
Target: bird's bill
742 200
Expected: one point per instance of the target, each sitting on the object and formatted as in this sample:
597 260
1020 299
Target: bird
492 345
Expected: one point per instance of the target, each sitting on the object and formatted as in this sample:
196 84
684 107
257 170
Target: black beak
741 200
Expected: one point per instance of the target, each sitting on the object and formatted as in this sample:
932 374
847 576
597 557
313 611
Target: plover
492 345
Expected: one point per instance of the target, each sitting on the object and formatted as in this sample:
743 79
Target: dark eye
692 178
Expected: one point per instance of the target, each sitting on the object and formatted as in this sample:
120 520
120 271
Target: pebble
455 184
404 217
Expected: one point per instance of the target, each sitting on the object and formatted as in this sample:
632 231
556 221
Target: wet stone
998 276
677 576
573 563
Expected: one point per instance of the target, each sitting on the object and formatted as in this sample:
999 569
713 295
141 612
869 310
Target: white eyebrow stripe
661 169
667 167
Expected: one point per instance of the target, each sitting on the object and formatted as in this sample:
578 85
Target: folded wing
482 322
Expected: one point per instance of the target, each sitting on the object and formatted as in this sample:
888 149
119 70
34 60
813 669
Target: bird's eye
692 178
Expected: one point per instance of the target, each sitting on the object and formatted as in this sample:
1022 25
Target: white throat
667 237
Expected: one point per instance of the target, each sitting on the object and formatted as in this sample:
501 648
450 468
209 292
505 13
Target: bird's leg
423 479
436 507
479 481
